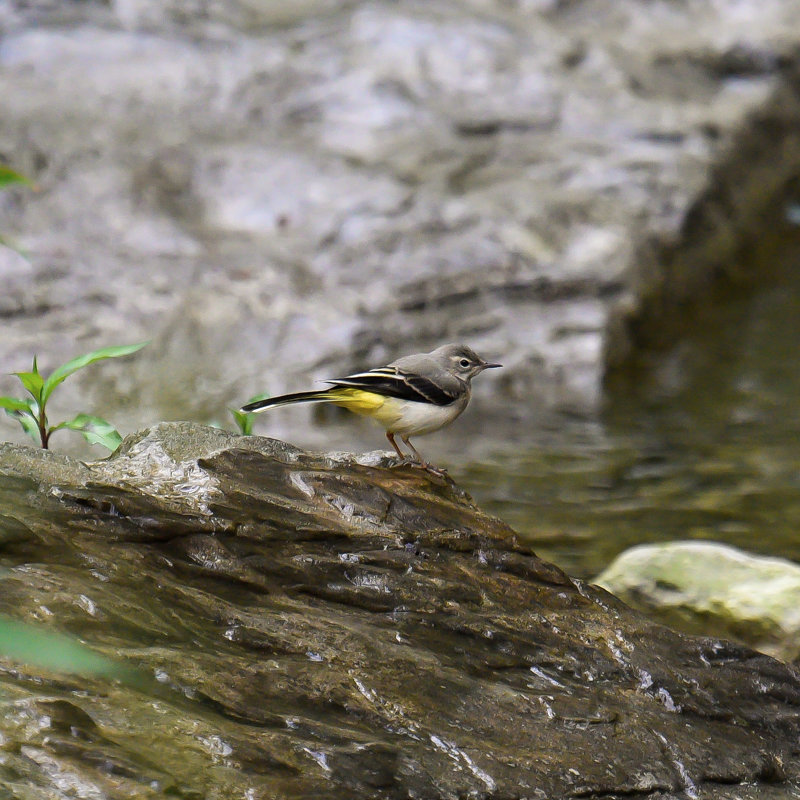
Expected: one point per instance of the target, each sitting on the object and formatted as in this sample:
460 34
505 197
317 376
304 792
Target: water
702 443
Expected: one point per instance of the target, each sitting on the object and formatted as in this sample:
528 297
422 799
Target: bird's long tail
357 400
322 396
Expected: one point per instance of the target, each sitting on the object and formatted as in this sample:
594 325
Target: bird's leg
393 443
414 450
421 461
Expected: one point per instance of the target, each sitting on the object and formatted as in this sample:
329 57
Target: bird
412 396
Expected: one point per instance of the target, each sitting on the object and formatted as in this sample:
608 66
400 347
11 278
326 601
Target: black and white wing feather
394 382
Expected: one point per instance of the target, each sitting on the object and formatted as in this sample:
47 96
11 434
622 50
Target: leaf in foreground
24 412
37 647
14 404
244 419
9 176
61 373
94 429
33 382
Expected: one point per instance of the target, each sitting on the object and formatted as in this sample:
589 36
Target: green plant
8 177
47 649
31 412
244 421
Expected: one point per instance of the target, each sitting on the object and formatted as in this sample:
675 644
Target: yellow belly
397 416
386 411
360 402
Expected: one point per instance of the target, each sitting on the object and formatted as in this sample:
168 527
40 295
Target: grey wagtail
410 397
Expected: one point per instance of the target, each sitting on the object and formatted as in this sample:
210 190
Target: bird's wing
394 382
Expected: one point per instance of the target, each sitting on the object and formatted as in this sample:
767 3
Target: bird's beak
485 365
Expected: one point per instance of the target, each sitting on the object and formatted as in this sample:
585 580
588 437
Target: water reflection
705 445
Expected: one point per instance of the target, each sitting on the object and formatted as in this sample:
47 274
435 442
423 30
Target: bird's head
462 361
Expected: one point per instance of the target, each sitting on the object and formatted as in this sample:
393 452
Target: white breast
408 418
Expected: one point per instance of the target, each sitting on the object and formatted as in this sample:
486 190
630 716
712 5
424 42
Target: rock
275 193
705 586
346 628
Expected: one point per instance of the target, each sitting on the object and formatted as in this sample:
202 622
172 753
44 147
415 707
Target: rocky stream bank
309 624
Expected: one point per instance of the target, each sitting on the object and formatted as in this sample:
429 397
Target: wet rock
348 628
704 586
321 186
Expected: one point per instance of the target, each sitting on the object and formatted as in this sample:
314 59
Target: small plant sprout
31 412
244 421
9 177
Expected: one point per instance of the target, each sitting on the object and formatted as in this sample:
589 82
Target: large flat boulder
307 624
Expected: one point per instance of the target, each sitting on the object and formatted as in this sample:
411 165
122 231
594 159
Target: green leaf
243 419
33 382
59 374
24 412
13 404
29 426
37 647
9 176
94 429
111 440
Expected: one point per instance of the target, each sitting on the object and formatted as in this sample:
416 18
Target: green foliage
31 412
65 370
9 177
244 421
94 429
31 645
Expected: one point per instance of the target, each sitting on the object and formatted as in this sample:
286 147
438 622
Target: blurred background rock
276 192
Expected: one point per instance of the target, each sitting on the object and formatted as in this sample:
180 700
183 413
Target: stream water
706 445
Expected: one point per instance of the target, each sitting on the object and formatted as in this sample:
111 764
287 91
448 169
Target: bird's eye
464 363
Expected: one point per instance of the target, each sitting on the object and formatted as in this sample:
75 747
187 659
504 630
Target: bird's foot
409 461
440 472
